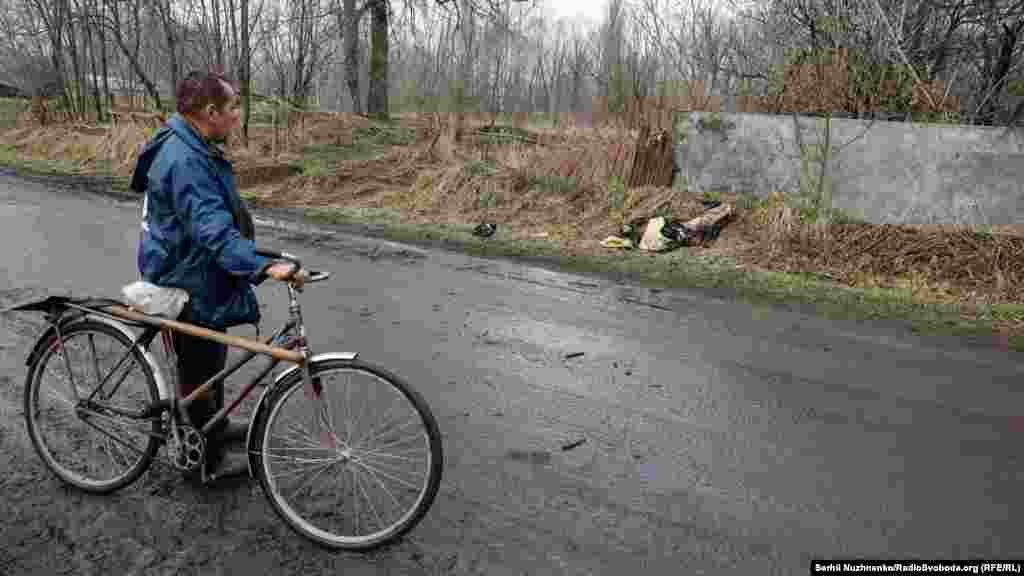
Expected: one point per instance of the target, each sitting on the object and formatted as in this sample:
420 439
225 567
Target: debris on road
531 456
574 444
572 355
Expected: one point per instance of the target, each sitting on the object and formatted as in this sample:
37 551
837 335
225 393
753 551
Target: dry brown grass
942 262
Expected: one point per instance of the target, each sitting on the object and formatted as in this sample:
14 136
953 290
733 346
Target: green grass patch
616 193
383 134
683 269
369 142
479 168
8 154
499 134
711 196
312 166
9 110
553 183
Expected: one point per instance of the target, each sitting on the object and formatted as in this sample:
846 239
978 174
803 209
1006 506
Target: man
198 236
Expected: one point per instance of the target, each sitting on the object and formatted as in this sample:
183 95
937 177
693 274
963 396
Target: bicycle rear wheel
377 481
96 452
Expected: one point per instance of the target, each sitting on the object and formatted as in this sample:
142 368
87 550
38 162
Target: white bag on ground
155 300
653 241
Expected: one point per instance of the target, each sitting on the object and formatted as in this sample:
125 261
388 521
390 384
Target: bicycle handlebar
277 255
311 275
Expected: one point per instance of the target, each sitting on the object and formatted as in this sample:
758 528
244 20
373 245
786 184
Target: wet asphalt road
719 437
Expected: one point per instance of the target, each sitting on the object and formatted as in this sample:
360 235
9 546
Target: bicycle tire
259 458
31 399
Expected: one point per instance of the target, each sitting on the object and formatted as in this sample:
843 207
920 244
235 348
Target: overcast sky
590 9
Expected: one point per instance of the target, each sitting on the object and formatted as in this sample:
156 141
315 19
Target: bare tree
377 99
117 26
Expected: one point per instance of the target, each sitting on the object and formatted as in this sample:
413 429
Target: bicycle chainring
186 448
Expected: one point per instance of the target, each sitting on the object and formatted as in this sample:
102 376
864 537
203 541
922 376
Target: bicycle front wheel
94 449
376 478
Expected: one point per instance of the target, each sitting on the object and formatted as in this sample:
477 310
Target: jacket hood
146 157
176 125
188 135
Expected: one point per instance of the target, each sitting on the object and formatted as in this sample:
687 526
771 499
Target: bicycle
157 416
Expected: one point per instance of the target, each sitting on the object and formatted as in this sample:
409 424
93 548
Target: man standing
198 236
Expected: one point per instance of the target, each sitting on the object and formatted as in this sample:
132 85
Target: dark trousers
199 360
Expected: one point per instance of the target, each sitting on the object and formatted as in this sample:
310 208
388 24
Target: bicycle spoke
61 399
312 477
329 415
385 418
297 461
373 508
299 471
384 429
111 436
297 437
348 407
389 493
392 443
109 451
389 456
117 420
62 346
95 360
386 475
355 497
62 379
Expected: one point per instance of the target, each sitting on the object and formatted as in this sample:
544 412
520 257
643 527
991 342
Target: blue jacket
191 235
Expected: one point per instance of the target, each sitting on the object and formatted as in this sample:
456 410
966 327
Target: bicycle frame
276 346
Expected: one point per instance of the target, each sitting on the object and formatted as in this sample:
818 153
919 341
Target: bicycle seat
155 300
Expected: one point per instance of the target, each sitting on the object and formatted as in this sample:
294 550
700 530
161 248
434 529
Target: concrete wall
880 171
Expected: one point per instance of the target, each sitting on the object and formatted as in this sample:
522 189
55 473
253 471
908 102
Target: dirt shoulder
554 195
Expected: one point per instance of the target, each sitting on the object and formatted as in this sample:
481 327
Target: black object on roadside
485 230
573 355
675 231
710 204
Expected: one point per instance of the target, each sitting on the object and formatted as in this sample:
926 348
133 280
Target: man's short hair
197 90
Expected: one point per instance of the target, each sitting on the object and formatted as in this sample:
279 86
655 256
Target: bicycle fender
280 378
51 332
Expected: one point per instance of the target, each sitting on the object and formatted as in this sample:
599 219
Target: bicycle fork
311 389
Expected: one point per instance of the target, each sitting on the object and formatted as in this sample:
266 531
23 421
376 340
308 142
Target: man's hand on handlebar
287 272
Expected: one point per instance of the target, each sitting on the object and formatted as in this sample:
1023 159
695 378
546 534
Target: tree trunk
218 39
133 59
236 66
377 102
349 26
76 108
104 59
467 29
303 48
97 100
244 72
164 6
1003 64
